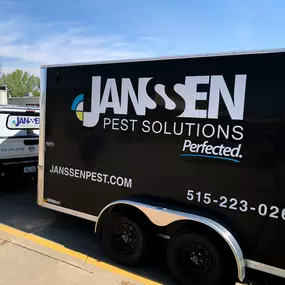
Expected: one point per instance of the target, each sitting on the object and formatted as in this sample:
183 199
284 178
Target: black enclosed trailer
187 148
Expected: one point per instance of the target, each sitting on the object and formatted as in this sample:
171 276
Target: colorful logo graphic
77 106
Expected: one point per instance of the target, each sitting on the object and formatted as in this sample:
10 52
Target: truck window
23 122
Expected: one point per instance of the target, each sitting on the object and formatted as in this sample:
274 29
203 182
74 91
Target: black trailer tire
198 258
126 240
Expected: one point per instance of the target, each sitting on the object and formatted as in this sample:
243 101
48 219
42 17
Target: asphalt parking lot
67 240
18 210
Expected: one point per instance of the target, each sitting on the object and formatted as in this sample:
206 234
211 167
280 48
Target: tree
20 82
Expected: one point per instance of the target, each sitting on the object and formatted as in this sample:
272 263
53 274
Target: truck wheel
125 240
198 258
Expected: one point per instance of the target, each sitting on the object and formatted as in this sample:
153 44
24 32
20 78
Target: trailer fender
164 216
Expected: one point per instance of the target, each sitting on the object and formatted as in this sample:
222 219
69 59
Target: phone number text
12 149
234 204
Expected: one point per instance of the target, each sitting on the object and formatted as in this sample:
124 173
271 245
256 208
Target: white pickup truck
19 137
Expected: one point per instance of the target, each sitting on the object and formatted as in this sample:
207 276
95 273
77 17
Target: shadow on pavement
19 210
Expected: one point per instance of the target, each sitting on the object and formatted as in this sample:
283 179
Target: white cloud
30 44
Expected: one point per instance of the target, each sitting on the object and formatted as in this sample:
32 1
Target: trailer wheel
198 258
125 240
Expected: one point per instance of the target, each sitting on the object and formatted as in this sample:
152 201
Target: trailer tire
126 240
198 258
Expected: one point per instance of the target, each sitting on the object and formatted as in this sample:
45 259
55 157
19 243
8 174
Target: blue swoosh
76 101
209 156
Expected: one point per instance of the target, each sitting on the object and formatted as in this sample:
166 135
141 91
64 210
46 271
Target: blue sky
34 32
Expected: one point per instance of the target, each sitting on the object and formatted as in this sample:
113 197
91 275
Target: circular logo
31 148
77 106
79 111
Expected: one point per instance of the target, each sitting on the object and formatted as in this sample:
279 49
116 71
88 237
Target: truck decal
23 122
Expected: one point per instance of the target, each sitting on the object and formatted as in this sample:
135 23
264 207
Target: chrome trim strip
70 212
265 268
43 83
245 52
164 217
